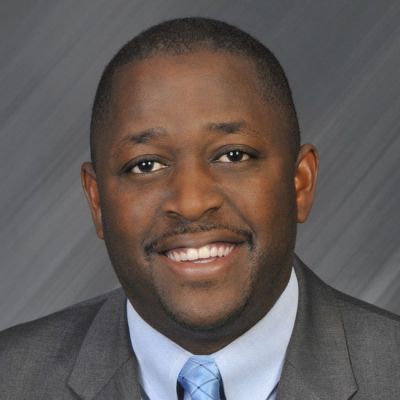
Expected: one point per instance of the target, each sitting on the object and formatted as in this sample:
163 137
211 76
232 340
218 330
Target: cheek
124 224
130 211
267 204
261 200
125 221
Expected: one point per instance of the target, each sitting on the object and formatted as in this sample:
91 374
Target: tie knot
200 378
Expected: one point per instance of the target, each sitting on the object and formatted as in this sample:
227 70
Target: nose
193 192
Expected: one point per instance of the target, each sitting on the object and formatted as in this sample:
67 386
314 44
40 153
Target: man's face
196 192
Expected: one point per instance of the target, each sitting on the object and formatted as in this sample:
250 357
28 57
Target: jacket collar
106 364
317 363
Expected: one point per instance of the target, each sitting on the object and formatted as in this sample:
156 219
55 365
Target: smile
201 254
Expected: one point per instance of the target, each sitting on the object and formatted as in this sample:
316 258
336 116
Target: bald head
189 35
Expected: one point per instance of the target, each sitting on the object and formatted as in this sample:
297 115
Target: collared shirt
250 364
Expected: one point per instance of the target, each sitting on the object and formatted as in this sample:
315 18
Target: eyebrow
227 127
153 133
147 135
140 137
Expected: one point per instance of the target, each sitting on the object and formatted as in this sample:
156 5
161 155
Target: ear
305 180
89 183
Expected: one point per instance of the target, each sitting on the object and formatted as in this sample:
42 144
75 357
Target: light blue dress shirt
251 364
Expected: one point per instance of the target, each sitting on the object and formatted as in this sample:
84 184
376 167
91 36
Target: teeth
173 256
214 251
204 252
192 254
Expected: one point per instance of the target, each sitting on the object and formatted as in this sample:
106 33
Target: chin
199 321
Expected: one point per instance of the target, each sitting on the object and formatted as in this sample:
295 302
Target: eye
234 156
146 166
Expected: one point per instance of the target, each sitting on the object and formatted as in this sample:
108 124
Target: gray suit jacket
341 348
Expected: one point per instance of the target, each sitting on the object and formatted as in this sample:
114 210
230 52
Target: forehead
180 94
200 63
188 79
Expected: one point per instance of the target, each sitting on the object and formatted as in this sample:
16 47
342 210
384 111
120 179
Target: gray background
343 60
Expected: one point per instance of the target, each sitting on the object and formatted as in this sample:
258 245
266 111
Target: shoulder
358 316
371 336
369 329
49 345
73 320
373 342
363 315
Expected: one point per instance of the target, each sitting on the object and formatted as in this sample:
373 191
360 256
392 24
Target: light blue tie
200 378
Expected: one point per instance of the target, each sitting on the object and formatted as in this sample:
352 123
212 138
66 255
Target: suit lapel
317 362
106 367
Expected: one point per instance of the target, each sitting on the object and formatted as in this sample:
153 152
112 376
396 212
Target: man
196 184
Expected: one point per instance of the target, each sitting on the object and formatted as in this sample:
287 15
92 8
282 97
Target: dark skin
193 156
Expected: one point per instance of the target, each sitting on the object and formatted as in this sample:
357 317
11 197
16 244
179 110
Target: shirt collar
254 360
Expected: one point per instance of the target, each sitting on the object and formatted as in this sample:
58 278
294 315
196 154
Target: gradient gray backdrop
343 60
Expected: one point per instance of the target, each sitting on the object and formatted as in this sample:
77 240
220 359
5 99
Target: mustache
154 243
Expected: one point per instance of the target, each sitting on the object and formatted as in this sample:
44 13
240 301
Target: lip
196 240
213 268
